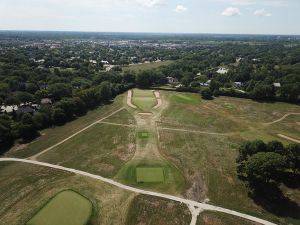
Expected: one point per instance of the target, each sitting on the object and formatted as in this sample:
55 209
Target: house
172 80
93 61
104 62
8 109
25 109
277 85
238 84
46 101
222 70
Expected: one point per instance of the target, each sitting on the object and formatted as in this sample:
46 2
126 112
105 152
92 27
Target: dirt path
129 100
34 157
282 118
192 131
118 124
158 99
195 207
288 138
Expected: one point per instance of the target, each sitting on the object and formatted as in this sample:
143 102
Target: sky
163 16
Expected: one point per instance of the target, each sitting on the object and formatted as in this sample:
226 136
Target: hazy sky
180 16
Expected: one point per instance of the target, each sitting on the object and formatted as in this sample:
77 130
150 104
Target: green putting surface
150 175
66 208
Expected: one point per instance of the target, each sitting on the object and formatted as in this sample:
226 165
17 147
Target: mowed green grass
66 208
143 99
186 98
147 66
171 180
150 175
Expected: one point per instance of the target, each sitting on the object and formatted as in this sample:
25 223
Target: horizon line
148 32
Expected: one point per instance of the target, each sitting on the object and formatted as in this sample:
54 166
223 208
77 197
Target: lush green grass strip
150 175
144 99
66 208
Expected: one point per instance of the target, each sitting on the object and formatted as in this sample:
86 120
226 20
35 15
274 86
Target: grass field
102 149
196 166
214 218
67 208
143 99
25 189
208 161
147 66
173 180
148 210
150 175
54 135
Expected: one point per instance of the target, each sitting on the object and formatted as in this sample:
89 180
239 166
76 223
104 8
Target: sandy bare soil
158 99
289 138
282 118
129 100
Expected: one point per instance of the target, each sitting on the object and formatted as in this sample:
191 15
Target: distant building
238 84
25 109
277 85
104 62
46 101
93 61
172 80
8 109
222 70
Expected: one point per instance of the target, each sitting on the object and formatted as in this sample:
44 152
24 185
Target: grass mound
150 175
191 99
66 208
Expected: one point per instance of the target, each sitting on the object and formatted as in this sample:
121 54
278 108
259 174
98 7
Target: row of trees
262 163
26 126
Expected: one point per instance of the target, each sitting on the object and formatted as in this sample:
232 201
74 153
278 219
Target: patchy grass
53 135
22 196
143 99
215 218
211 158
102 149
150 175
67 207
147 66
149 210
122 117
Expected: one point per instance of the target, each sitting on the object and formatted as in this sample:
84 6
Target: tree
263 166
206 93
58 116
60 90
104 93
143 79
293 156
276 146
26 127
6 135
263 92
79 106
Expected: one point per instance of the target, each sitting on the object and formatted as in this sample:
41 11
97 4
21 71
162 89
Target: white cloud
256 2
262 12
231 11
150 3
180 8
